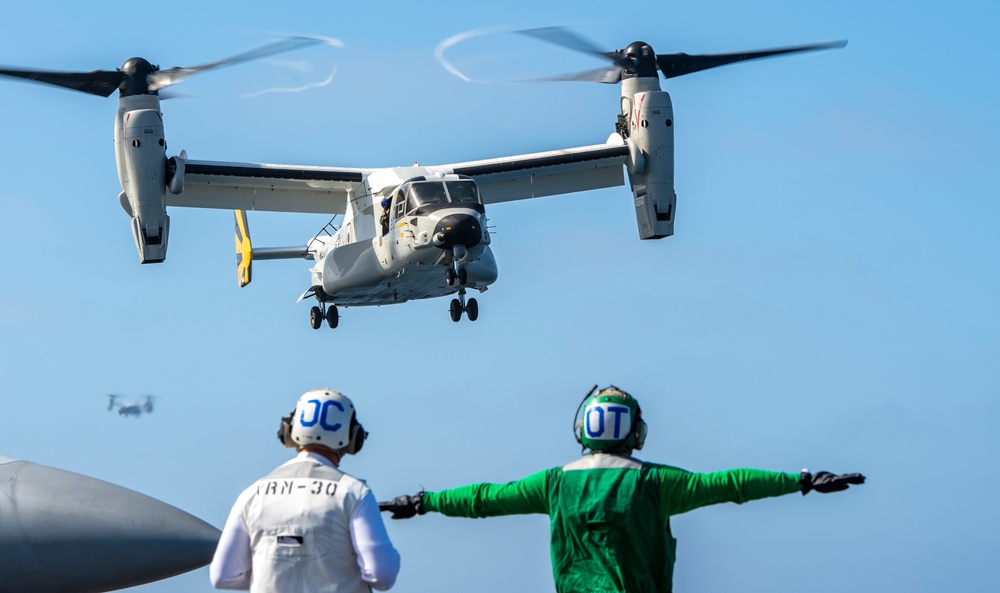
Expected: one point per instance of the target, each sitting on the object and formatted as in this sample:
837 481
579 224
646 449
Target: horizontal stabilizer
301 252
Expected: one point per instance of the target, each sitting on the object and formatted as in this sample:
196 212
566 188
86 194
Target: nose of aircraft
458 229
62 532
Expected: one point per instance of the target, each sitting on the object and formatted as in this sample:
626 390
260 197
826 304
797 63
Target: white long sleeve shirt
305 527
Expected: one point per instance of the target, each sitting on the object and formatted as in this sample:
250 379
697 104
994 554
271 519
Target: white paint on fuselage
360 266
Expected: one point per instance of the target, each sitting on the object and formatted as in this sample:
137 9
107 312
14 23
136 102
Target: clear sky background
829 300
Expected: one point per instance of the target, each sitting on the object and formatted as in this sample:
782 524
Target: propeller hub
642 58
136 82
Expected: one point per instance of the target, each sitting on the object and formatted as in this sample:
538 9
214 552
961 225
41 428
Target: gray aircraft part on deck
62 532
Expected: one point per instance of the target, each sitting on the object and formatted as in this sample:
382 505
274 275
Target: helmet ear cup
357 440
639 427
640 433
285 431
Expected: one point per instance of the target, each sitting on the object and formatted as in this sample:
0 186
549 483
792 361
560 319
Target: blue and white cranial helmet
326 418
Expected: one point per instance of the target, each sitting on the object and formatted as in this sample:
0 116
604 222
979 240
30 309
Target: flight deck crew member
307 526
609 512
384 219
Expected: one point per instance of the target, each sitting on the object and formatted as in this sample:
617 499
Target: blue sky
829 299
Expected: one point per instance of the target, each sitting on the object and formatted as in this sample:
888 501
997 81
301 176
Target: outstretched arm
476 500
682 491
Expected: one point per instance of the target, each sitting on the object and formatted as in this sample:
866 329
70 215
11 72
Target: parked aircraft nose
458 229
62 532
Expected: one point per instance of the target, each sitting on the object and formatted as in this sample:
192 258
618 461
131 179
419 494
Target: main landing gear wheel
463 276
318 313
315 317
449 277
459 306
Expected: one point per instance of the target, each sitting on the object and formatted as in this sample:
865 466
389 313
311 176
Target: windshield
422 194
463 191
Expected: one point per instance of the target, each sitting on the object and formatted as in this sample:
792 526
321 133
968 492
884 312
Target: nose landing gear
459 306
451 275
457 271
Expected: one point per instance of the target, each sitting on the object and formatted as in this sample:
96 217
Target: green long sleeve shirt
610 515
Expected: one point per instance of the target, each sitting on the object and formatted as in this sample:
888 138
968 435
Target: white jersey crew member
307 526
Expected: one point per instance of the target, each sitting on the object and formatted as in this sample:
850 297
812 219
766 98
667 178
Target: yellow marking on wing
244 249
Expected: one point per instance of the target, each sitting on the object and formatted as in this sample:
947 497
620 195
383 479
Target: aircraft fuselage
427 226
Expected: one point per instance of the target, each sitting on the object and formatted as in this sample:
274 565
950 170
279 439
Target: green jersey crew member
610 513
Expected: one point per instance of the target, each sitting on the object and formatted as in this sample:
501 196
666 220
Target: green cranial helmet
609 421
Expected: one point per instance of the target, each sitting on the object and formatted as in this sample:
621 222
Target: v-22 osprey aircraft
407 232
130 408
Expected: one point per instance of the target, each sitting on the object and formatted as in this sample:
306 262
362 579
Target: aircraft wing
325 190
546 173
275 188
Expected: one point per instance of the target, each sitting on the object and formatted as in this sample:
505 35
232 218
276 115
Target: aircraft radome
62 532
407 232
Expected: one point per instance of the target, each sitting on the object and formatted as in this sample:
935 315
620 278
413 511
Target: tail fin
244 251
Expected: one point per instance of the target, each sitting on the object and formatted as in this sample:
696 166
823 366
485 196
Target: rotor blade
98 82
167 94
565 38
673 65
610 75
164 78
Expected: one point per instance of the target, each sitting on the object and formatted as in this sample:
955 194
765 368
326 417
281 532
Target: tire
456 310
463 276
472 309
449 277
315 317
333 317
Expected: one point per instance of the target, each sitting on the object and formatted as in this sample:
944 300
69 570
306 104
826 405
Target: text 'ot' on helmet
609 421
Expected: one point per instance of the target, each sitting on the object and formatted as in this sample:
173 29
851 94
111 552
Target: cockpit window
425 196
400 205
422 194
463 192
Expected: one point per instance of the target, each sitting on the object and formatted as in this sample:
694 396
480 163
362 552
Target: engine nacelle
142 165
151 253
650 136
175 172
